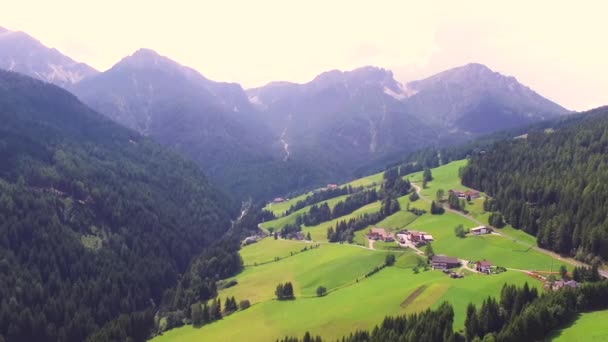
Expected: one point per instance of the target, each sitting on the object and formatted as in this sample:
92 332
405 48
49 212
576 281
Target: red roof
484 263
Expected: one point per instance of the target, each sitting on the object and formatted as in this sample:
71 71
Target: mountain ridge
22 53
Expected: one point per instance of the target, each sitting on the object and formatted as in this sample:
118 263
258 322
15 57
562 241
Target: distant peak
3 30
145 58
145 53
475 66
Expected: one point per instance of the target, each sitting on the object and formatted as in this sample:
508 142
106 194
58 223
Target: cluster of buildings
472 194
561 284
380 234
416 238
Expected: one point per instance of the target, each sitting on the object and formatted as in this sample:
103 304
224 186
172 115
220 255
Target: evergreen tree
196 313
427 175
429 252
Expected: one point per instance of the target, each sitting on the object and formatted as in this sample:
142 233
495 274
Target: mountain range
286 136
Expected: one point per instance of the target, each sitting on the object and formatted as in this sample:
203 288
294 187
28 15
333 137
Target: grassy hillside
291 218
587 327
361 305
358 302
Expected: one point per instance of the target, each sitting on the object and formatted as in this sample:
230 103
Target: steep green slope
552 185
95 221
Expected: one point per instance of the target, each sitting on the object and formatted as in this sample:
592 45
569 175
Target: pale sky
558 48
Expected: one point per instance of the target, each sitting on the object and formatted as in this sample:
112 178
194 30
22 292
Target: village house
278 200
419 238
458 193
480 230
483 266
472 194
332 186
380 234
442 262
560 284
415 237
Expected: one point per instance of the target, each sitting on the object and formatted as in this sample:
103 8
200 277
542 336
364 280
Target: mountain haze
20 52
365 117
212 123
286 137
475 99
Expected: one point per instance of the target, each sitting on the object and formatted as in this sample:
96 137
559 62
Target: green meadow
319 232
590 326
444 177
358 305
355 301
279 208
368 181
291 218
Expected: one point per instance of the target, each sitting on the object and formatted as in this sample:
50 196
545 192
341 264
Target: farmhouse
415 236
427 237
480 230
560 284
458 193
331 186
473 194
381 234
483 266
401 238
278 200
442 262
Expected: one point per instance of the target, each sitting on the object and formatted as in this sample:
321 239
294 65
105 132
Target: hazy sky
559 48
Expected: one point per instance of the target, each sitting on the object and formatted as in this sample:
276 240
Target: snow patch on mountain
402 94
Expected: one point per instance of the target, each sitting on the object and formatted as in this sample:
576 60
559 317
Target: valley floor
355 301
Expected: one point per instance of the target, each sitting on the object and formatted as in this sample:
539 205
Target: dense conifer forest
96 222
552 185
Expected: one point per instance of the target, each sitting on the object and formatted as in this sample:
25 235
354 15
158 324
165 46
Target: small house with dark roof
483 266
442 262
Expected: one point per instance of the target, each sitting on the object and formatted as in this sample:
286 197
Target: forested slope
95 221
553 185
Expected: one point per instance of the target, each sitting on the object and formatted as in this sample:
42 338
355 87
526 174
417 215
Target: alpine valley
147 202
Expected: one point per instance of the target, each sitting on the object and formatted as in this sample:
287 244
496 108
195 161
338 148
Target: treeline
345 230
320 196
432 157
247 225
551 311
430 325
392 188
552 185
520 314
321 213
